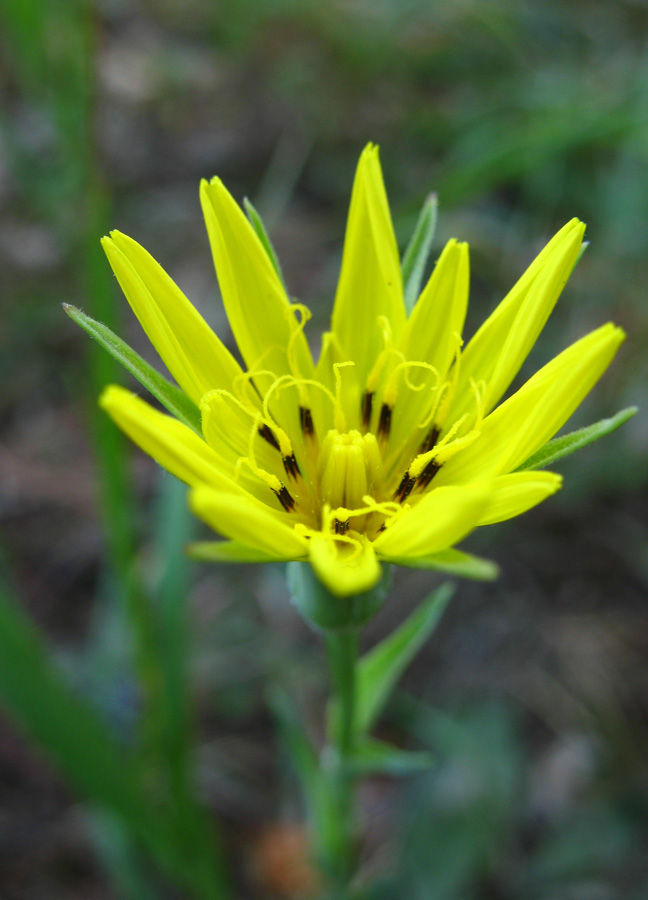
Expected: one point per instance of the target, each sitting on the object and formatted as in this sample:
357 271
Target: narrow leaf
380 669
170 396
372 757
418 251
453 562
257 223
562 446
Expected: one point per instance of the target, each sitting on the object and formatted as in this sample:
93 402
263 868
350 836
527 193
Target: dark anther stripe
384 423
291 466
268 436
284 497
431 439
341 527
428 473
306 421
367 406
404 488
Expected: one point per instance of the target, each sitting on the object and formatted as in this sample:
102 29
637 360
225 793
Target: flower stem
337 834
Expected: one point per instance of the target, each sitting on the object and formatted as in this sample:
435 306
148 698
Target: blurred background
533 693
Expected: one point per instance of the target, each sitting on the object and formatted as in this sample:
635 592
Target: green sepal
453 562
227 551
418 251
261 232
380 669
324 610
170 396
372 757
562 446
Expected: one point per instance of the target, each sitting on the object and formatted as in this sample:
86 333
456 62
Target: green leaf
568 443
170 396
380 669
418 251
453 562
372 757
257 223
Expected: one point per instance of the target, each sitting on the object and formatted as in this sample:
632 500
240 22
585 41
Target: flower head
394 445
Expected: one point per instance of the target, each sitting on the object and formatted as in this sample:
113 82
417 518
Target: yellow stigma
349 468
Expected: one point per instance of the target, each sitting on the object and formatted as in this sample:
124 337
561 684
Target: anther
291 466
367 405
340 526
404 489
268 435
384 423
431 439
306 421
284 497
428 473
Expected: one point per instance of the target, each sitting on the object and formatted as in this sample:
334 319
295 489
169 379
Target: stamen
267 435
384 423
340 526
291 466
431 439
367 405
405 488
306 421
428 473
284 497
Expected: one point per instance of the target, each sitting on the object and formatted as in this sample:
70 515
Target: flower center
349 468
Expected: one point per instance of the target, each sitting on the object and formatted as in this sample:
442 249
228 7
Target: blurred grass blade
298 747
562 446
380 669
418 251
171 397
33 690
125 867
257 223
172 715
372 757
454 562
35 693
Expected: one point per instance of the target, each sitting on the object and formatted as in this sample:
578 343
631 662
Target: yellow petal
344 568
439 520
191 351
516 493
528 419
431 335
440 310
498 349
249 522
262 320
174 446
370 284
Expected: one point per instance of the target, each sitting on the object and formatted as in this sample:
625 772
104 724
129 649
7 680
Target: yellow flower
392 446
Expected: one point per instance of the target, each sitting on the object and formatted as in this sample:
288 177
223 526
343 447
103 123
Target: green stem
337 840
